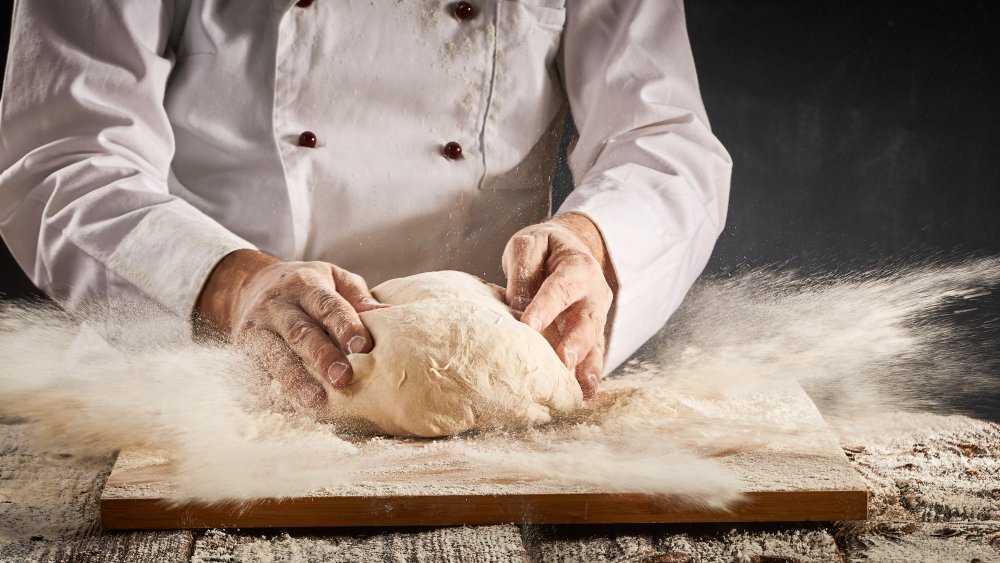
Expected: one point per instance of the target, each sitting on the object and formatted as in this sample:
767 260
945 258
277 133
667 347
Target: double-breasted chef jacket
143 140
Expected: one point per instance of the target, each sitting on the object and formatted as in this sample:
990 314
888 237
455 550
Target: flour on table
449 357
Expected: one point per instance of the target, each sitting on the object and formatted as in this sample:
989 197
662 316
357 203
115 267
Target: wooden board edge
595 508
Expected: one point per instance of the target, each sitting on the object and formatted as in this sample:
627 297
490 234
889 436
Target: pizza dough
449 357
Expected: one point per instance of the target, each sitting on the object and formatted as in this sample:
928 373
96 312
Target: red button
464 11
452 151
308 139
304 3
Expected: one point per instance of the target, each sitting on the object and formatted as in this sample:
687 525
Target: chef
254 166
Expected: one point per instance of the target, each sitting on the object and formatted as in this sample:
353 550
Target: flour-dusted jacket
143 140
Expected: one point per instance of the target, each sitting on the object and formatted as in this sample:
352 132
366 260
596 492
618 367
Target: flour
859 342
229 439
855 341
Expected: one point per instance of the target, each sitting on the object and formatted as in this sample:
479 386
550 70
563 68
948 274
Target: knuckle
348 283
590 265
294 279
307 276
357 294
319 356
576 259
561 289
343 328
294 273
355 280
299 332
581 266
596 315
327 304
521 244
268 299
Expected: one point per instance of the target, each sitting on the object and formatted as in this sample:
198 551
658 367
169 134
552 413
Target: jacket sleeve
85 149
647 169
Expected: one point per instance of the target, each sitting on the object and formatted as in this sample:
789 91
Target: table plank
487 544
680 544
49 509
798 480
783 506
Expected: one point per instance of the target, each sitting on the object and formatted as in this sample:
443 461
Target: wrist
219 297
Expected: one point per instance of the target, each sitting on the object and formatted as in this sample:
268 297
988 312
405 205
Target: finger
583 330
338 318
355 290
320 356
567 284
523 263
281 363
588 372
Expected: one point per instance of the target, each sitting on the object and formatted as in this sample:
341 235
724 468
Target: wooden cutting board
782 484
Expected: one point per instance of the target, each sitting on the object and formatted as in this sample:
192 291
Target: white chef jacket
143 140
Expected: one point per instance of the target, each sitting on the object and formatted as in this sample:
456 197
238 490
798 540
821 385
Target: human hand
298 320
558 274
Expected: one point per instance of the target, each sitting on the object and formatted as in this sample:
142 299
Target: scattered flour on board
862 344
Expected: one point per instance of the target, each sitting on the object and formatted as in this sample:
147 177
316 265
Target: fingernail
571 359
535 324
520 303
310 395
339 374
356 344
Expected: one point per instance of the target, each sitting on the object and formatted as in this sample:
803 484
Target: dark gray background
858 130
861 132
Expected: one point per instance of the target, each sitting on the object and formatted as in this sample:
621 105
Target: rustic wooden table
935 485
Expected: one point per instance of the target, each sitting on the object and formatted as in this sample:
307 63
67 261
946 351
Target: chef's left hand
558 272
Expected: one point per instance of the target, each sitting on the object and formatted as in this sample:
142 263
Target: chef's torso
384 85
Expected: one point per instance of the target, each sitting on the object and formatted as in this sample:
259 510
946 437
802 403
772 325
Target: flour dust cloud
862 344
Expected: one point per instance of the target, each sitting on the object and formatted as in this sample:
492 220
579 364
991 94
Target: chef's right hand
298 320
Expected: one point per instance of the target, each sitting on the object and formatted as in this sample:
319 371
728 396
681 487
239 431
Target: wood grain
455 544
811 506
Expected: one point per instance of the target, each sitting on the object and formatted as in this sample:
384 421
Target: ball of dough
450 357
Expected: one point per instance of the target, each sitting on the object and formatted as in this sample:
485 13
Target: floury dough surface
449 357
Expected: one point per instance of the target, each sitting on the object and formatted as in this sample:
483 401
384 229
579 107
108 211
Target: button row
463 10
450 150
